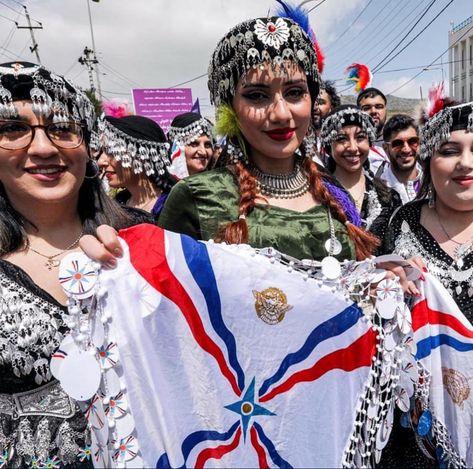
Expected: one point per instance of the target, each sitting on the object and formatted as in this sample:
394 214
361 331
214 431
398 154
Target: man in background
401 144
373 102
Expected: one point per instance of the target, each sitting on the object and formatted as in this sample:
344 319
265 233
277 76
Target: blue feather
297 14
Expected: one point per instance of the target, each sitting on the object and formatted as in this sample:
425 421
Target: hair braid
365 242
237 232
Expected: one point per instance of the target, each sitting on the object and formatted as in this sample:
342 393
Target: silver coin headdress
137 142
437 129
50 94
256 42
343 116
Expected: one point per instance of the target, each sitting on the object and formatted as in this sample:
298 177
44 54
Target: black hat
135 141
49 94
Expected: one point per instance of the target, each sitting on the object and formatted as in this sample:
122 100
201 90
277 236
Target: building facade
460 57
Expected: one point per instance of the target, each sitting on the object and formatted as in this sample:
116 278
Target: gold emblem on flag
271 305
456 385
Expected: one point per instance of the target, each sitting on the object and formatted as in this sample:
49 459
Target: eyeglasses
16 135
397 144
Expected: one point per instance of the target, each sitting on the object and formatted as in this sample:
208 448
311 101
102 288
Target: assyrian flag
444 339
178 167
231 360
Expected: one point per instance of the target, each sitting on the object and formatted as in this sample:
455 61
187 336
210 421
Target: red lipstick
281 135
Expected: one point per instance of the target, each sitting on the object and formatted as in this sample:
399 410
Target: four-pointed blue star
247 408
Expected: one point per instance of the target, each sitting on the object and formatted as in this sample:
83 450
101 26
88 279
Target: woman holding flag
50 195
439 226
192 144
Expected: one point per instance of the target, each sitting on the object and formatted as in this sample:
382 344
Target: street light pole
97 73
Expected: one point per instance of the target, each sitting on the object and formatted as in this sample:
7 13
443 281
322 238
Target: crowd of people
298 172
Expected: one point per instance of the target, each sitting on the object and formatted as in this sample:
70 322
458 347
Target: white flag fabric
231 360
444 340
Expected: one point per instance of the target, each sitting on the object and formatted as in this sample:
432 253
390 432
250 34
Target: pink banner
162 104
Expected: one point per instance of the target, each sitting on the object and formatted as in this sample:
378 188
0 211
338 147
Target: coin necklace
461 250
51 260
333 246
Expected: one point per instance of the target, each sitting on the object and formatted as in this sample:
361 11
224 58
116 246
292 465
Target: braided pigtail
236 232
365 242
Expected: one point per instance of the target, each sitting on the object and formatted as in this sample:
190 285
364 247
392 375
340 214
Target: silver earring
92 169
431 196
235 153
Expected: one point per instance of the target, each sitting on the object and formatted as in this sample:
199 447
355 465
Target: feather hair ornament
435 100
116 108
226 124
301 16
359 75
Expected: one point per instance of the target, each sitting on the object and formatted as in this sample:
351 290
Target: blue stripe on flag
191 441
330 328
277 459
425 346
199 264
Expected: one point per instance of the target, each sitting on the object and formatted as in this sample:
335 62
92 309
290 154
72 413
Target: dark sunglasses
398 143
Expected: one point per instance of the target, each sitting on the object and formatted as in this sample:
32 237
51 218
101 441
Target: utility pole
34 47
88 59
97 73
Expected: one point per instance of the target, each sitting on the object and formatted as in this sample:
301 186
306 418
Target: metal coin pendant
333 246
331 268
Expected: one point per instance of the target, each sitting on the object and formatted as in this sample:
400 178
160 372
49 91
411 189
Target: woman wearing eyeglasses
346 135
401 143
49 197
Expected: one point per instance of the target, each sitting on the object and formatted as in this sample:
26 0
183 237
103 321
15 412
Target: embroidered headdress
437 128
257 42
136 141
187 127
49 93
342 116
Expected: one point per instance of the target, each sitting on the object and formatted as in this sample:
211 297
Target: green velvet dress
199 205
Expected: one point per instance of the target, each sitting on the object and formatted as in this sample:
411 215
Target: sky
164 43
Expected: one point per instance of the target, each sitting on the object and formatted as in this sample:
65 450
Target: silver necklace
51 260
461 250
282 186
333 246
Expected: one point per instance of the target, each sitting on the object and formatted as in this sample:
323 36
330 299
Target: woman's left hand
105 248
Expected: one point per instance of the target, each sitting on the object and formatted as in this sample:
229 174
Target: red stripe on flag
262 461
423 315
219 452
356 355
152 265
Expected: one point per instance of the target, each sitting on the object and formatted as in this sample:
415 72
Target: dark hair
95 208
329 87
396 123
237 232
370 93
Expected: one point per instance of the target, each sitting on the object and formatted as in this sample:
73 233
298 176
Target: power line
431 4
188 81
371 32
6 18
351 24
119 74
16 11
433 61
394 29
416 36
318 4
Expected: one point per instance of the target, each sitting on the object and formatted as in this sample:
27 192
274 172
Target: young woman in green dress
263 80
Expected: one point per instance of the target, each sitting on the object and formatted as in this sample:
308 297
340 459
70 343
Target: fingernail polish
425 269
422 278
